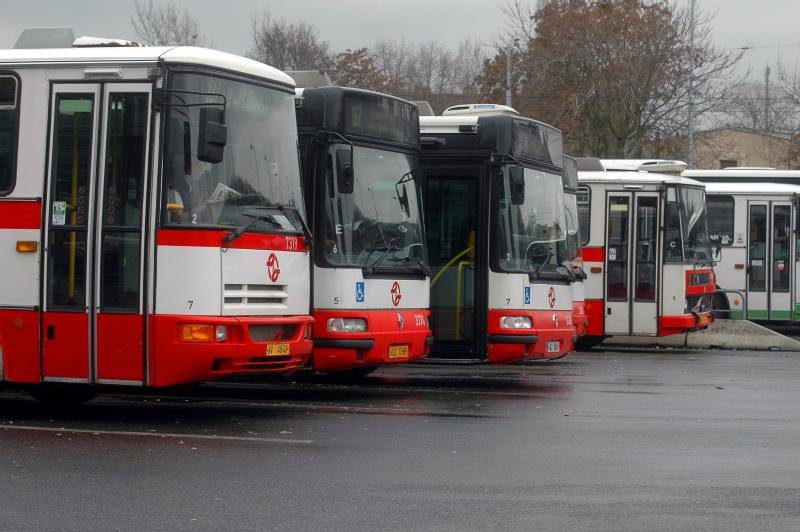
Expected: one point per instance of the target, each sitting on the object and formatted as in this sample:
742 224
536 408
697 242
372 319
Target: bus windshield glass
686 226
571 248
377 226
531 223
259 173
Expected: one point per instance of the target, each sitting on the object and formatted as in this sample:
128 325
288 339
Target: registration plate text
553 346
277 349
398 351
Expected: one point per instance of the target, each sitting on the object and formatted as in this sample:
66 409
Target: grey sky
356 23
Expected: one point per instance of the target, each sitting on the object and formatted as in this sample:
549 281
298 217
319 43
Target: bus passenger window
9 123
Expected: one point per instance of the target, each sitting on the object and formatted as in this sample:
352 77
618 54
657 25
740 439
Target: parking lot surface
602 441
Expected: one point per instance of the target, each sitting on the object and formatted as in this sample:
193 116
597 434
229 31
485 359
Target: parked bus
572 254
359 152
495 227
745 175
754 229
151 218
646 252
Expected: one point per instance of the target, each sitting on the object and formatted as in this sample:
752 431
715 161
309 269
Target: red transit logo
395 293
273 269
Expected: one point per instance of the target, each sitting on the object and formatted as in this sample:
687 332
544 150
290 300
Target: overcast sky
769 24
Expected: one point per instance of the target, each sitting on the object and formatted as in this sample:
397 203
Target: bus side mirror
516 182
213 135
344 171
797 215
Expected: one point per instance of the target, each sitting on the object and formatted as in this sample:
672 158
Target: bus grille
249 298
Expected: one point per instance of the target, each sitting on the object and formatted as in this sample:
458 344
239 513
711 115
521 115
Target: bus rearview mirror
516 181
213 135
344 170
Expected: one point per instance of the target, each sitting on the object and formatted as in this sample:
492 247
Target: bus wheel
352 373
719 304
586 343
61 395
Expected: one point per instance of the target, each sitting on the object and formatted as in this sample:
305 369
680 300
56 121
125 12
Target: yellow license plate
398 351
277 349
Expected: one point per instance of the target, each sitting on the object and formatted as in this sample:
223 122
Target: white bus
646 252
753 231
359 153
151 218
496 227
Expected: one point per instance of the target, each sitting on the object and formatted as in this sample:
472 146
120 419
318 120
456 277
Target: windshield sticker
612 253
59 213
360 292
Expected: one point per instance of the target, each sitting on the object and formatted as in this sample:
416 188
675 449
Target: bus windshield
259 172
571 247
686 226
377 226
531 227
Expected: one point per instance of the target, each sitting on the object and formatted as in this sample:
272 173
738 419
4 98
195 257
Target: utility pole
508 73
690 135
766 99
767 125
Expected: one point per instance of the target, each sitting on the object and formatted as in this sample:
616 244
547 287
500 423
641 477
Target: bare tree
603 74
395 60
468 64
288 46
166 25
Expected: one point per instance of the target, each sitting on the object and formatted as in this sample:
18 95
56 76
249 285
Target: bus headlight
222 333
347 325
516 322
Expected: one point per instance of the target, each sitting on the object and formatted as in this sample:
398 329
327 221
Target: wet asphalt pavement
595 441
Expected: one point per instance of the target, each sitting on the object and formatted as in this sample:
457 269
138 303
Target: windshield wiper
544 263
306 231
233 235
369 269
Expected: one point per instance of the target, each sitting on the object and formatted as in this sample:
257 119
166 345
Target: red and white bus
646 251
572 257
151 218
359 152
495 223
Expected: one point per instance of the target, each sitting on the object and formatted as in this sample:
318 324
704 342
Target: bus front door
632 258
770 260
452 223
93 317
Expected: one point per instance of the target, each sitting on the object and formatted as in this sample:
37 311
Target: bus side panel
120 343
66 345
593 260
594 313
19 346
731 272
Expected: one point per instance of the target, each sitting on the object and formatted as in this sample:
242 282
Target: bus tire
586 343
719 302
62 395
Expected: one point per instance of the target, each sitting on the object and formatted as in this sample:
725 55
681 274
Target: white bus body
753 229
644 280
116 265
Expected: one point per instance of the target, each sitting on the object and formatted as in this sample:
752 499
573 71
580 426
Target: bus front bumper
552 336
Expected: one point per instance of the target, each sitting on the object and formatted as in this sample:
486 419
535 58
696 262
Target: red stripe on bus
205 238
594 254
20 214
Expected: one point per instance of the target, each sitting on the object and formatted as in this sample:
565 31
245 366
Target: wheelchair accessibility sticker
360 292
527 295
